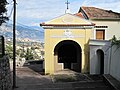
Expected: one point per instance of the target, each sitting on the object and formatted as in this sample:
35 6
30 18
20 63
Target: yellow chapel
66 43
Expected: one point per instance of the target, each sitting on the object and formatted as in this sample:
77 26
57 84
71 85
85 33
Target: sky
33 12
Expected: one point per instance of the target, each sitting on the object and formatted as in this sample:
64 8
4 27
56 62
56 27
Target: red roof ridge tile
80 15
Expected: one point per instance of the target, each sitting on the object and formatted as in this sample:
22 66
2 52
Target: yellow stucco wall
55 35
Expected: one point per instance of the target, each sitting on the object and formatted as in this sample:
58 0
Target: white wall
94 63
111 58
115 62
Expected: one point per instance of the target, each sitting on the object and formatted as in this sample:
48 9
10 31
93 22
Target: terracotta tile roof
80 15
97 13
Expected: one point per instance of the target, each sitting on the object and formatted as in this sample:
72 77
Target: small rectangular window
100 34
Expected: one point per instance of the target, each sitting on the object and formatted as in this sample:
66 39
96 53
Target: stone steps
27 79
76 88
68 86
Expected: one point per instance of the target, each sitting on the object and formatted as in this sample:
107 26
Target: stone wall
5 74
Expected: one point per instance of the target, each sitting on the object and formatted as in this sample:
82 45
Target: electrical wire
11 12
10 3
31 28
22 25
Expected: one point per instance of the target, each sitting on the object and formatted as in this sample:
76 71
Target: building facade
66 43
80 42
107 24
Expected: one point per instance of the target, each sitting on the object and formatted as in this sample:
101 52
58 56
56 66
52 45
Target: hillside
31 32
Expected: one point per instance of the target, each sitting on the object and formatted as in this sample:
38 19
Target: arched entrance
100 58
68 52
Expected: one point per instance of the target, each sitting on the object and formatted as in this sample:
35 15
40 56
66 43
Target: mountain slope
33 32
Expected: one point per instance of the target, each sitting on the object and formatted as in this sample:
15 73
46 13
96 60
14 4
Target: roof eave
109 19
43 24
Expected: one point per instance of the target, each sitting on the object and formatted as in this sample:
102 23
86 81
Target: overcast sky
33 12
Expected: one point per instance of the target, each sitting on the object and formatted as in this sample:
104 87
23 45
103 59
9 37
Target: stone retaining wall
5 74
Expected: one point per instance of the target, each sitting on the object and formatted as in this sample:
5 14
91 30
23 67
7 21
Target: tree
29 54
9 50
3 9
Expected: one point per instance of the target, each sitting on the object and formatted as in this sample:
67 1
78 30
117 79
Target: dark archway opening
100 54
69 53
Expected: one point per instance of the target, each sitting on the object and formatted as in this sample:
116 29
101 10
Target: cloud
37 7
36 11
40 9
